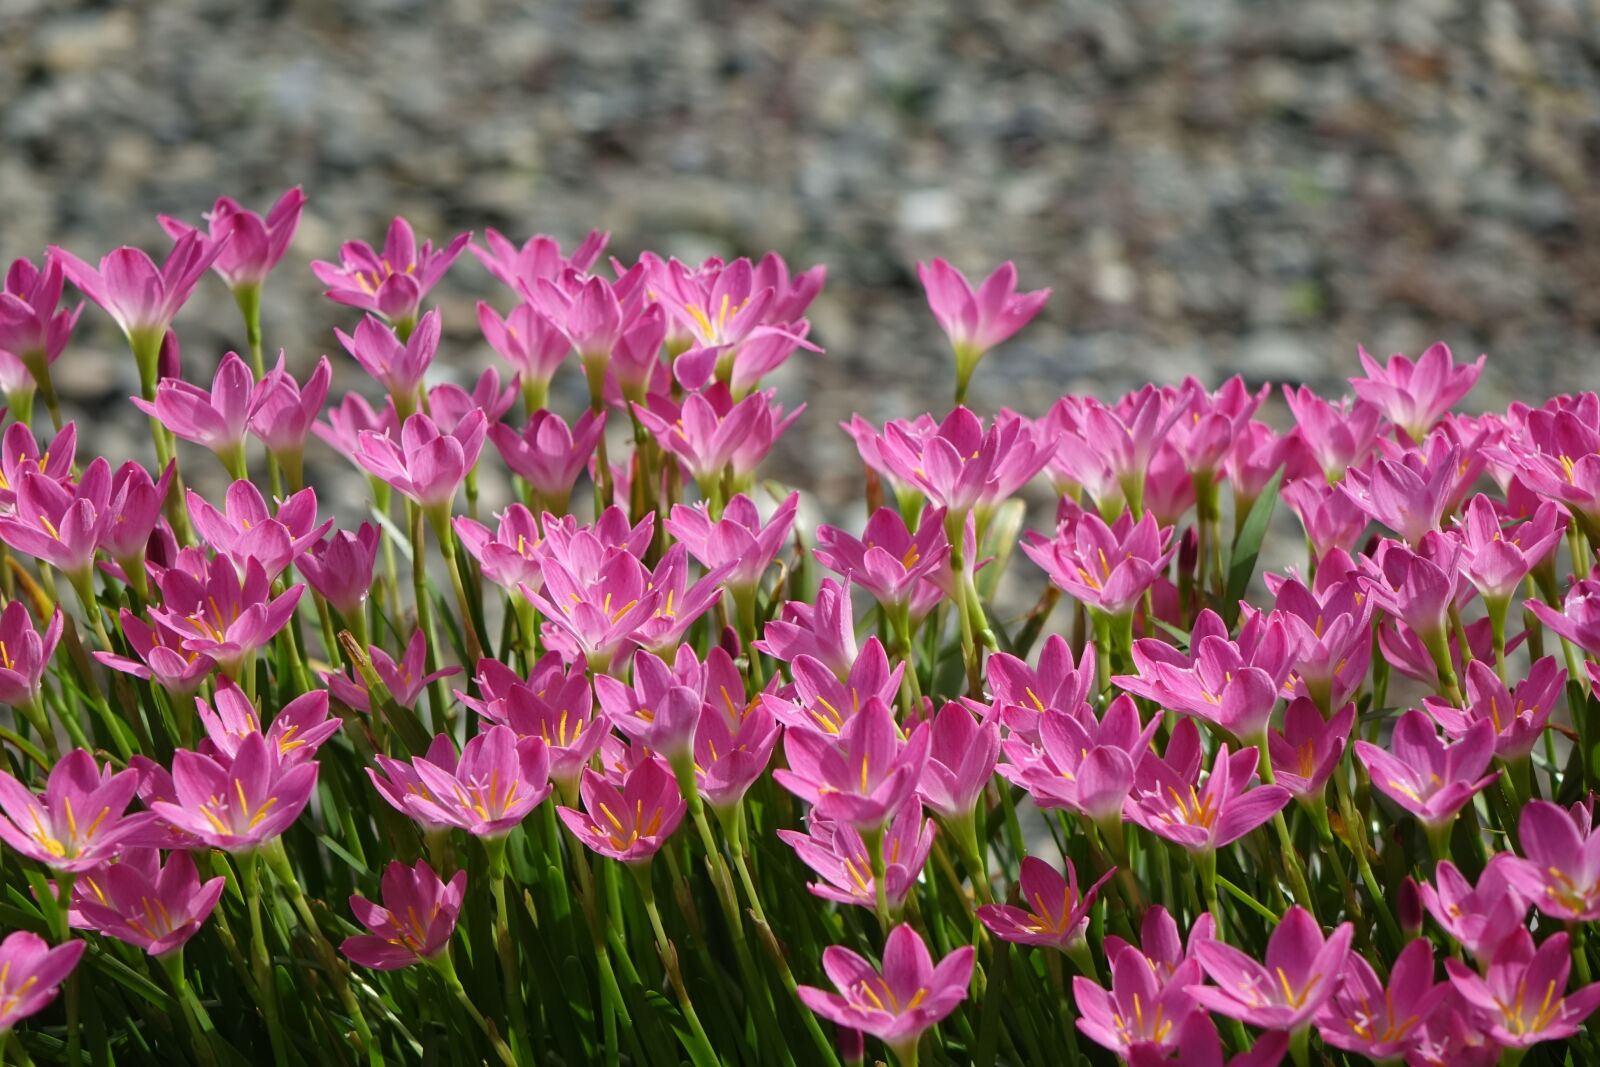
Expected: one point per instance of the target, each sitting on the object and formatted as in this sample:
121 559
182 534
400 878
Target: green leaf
1247 546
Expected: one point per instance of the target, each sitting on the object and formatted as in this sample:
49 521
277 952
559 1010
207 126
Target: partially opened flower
1308 748
391 282
240 805
977 319
508 555
1377 1021
1424 775
820 700
1022 694
340 568
1108 568
659 709
1415 395
837 853
32 330
1141 1013
532 344
31 973
630 823
399 366
217 419
154 907
1055 915
1522 998
80 820
888 560
58 525
425 464
140 297
1560 873
1302 971
1340 435
24 654
738 542
405 678
1169 800
245 529
714 435
250 245
297 731
1481 917
283 412
1519 715
414 922
224 615
540 256
559 713
823 629
548 455
961 758
729 756
910 995
163 656
488 791
863 776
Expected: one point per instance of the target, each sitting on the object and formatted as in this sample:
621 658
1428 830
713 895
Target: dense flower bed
670 776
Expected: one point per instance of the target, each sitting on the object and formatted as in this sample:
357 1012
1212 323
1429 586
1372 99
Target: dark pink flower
415 921
1308 748
1426 776
862 777
398 366
1415 395
1377 1021
1056 914
1301 973
836 852
392 282
1518 716
630 823
405 678
141 298
425 464
80 820
139 901
1560 871
1522 998
241 805
31 973
250 246
738 543
1479 918
976 320
1340 435
548 455
340 568
1108 568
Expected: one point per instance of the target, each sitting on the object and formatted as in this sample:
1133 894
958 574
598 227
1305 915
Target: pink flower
591 312
135 512
391 283
548 455
1578 620
1521 1000
1479 918
399 782
297 731
78 822
1170 801
31 973
1410 495
1379 1022
527 340
495 784
139 901
20 454
1301 974
1495 557
631 823
1161 947
31 329
659 710
224 615
888 560
836 852
1081 763
734 739
1108 568
1340 435
1023 694
960 465
1332 520
1424 775
1329 628
246 530
539 257
1057 916
1308 748
861 778
823 629
250 246
399 366
737 543
340 568
1560 873
349 418
283 411
1415 395
405 679
820 700
142 299
58 525
909 997
508 555
413 924
24 654
1417 587
961 758
163 659
217 419
976 320
1518 716
241 805
713 435
427 466
1141 1014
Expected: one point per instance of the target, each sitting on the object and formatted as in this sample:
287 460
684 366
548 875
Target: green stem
447 970
260 959
699 1047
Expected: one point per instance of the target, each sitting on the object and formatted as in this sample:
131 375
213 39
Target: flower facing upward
221 613
1481 917
548 454
1522 998
898 1005
217 419
1056 915
1415 395
837 853
631 823
399 366
78 822
142 298
487 792
24 653
414 922
1301 973
1426 776
1560 871
1141 1013
154 907
1108 568
31 973
863 776
237 806
250 245
340 568
405 678
392 282
31 328
977 319
425 464
1380 1022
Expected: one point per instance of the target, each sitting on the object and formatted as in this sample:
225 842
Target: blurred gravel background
1209 186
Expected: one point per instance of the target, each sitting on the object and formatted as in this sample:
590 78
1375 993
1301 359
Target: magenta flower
427 466
20 454
217 419
241 805
1301 974
78 822
1141 1014
31 973
961 758
1023 694
1340 435
31 328
1578 620
527 340
1410 495
631 823
1496 557
390 283
398 782
340 568
1417 587
1560 871
897 1007
738 542
1214 420
1518 716
349 418
134 508
1416 395
58 525
139 901
1480 918
560 715
1329 629
888 560
163 657
246 530
1170 801
142 299
823 629
539 257
413 924
405 679
861 778
1382 1023
819 700
975 320
1308 748
24 654
297 731
836 852
1521 999
731 754
250 246
712 434
548 455
1056 916
1108 568
283 411
1331 519
1424 775
1081 763
1162 948
509 555
224 615
399 366
589 311
1257 454
495 784
662 707
959 465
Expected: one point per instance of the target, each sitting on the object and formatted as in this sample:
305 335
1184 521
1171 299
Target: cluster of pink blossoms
1348 817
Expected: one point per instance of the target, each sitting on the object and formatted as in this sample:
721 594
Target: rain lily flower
61 526
1415 587
250 246
1560 871
714 435
1141 1013
135 512
246 530
413 924
224 614
1426 776
1496 557
488 791
1203 438
532 344
1022 694
1256 456
738 541
961 758
659 710
1339 434
349 418
975 320
823 629
539 257
399 782
31 973
1309 747
217 419
1057 915
548 455
1410 495
508 555
399 366
1302 972
20 453
1170 801
1518 716
297 731
1522 999
960 464
729 756
340 568
819 700
836 852
1331 519
861 778
1163 950
163 657
24 654
1415 395
632 822
141 298
1381 1023
425 465
591 315
283 412
1078 762
32 330
1479 918
240 805
405 679
910 996
888 560
78 822
1329 631
154 907
390 283
1108 568
559 712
